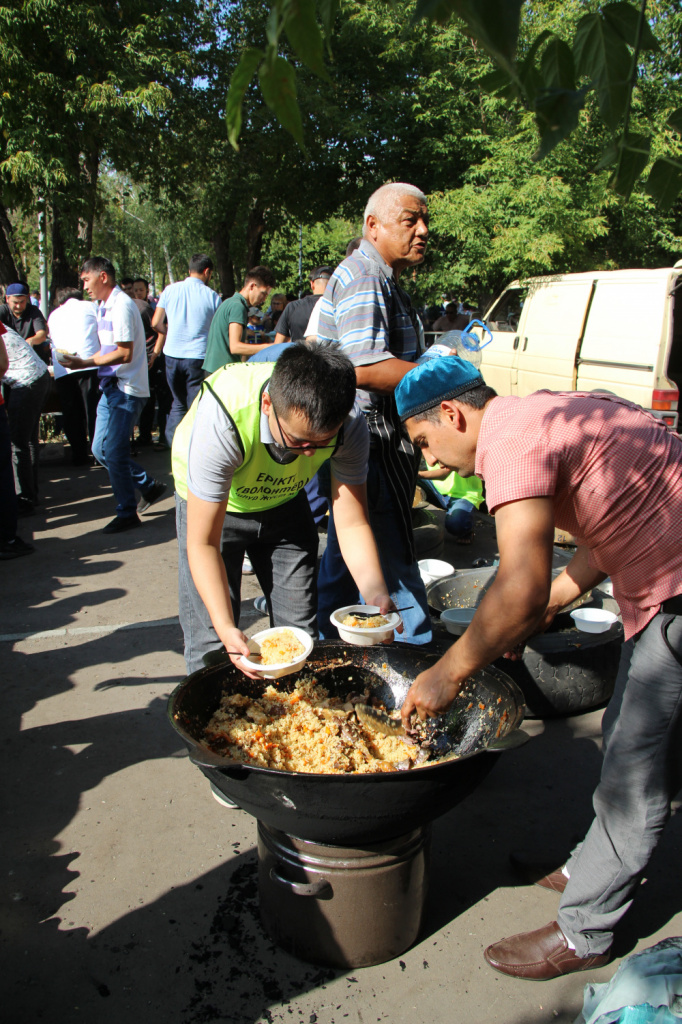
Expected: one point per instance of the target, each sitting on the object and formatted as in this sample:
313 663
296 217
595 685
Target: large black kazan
343 859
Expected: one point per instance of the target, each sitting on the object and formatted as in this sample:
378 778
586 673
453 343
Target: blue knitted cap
433 382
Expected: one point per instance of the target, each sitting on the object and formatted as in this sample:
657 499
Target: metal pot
349 809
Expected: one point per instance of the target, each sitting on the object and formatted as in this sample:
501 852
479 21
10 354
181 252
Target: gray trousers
282 545
641 773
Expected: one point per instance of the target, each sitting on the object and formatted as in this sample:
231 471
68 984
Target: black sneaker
15 548
150 497
121 523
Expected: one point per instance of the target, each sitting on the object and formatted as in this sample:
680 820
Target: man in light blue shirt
184 315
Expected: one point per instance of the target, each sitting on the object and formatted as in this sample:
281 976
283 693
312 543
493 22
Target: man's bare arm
238 347
38 338
384 376
159 320
123 353
509 612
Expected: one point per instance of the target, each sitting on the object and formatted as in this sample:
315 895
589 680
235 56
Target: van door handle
525 344
516 342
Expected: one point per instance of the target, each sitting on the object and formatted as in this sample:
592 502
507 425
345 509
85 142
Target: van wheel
429 533
560 678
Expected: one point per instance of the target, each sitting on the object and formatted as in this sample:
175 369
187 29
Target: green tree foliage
85 81
554 78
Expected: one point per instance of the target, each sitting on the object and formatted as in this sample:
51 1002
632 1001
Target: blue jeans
337 588
185 377
459 520
116 414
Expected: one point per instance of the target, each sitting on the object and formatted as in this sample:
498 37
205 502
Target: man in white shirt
122 367
73 328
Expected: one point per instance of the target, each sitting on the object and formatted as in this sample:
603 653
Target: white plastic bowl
457 619
275 671
62 352
432 569
593 620
364 636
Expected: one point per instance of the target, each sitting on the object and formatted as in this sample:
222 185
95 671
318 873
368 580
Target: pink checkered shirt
614 473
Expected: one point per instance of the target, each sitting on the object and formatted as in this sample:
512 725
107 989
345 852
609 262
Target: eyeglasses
307 445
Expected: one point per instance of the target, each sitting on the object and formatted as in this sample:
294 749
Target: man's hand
431 693
153 356
386 604
235 640
72 362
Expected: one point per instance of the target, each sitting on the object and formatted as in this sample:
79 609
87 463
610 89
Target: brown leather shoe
538 872
539 955
555 880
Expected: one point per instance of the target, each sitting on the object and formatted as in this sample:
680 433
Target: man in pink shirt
609 473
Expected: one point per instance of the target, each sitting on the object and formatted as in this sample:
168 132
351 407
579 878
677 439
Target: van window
506 313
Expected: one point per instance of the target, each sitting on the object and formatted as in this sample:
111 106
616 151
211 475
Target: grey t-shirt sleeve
214 453
349 462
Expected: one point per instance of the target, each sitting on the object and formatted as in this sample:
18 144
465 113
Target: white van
618 330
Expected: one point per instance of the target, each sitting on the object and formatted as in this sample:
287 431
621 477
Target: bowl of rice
284 649
364 632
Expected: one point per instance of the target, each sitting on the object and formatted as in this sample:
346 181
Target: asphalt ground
129 894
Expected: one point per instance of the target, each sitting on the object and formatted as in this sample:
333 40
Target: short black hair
63 295
263 275
127 280
144 280
99 265
477 398
316 380
200 262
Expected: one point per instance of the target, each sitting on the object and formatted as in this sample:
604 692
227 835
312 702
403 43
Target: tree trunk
8 267
254 236
169 264
85 225
224 264
63 274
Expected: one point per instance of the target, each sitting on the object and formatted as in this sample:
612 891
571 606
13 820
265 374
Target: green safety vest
456 486
260 482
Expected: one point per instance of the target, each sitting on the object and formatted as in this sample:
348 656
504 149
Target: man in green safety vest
252 439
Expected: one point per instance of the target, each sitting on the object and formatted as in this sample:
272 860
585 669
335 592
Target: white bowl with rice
289 646
364 634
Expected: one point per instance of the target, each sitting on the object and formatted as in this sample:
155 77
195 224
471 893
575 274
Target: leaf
675 120
556 115
602 56
239 83
665 181
328 10
498 83
303 32
624 18
278 85
557 65
493 23
633 156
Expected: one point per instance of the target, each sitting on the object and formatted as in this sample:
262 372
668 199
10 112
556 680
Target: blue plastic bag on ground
646 989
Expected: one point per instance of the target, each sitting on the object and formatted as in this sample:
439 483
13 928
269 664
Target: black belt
673 606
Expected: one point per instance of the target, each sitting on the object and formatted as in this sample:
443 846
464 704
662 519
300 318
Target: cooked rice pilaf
303 731
280 648
366 622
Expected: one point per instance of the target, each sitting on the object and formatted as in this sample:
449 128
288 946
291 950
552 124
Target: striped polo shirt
119 320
